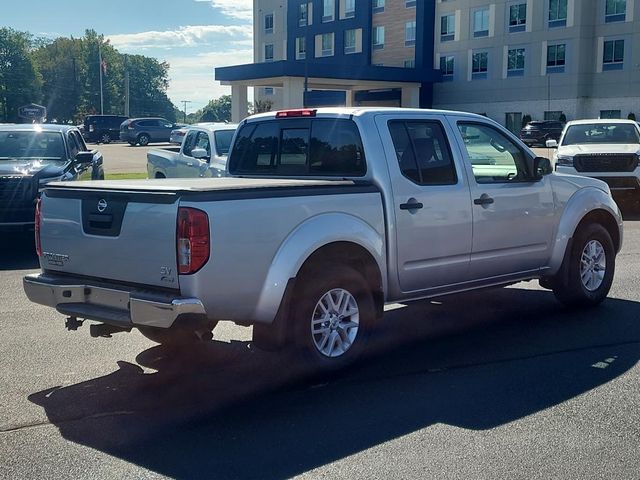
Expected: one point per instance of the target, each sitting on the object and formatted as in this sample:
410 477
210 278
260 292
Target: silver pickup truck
202 153
327 215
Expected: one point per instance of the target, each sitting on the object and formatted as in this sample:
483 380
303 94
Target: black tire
105 138
315 286
160 175
178 337
568 285
143 139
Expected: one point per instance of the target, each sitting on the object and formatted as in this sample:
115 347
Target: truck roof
362 111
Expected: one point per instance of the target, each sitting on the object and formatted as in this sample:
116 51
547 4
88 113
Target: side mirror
85 158
541 167
199 153
551 144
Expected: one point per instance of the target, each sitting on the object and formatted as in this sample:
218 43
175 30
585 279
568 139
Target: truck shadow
475 361
18 251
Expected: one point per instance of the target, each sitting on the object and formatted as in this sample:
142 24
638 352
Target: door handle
483 200
412 204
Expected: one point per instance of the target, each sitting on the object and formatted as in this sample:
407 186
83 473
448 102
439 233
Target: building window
349 41
447 28
515 62
268 90
328 10
301 48
479 65
446 68
268 23
268 52
410 34
349 8
411 63
557 13
610 114
303 14
556 58
615 11
327 44
518 18
378 6
481 23
378 38
613 57
410 3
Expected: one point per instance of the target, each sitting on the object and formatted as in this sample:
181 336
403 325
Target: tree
218 110
148 82
20 80
62 65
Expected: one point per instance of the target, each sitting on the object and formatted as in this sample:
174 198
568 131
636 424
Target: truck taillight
192 240
37 227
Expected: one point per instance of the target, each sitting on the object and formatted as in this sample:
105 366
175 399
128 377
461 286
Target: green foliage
20 80
218 110
65 73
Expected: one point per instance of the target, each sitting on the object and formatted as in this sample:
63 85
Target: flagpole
100 68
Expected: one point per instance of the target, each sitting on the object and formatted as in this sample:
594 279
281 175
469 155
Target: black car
144 131
538 132
102 128
32 156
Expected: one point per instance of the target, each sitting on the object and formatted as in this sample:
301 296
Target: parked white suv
604 149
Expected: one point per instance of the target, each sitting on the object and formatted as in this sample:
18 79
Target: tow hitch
104 330
72 323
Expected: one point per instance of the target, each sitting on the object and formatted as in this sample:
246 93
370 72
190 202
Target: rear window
305 147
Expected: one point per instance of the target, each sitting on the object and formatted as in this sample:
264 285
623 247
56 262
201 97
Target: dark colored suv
102 128
144 131
538 132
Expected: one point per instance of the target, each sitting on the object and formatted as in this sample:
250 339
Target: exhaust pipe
105 330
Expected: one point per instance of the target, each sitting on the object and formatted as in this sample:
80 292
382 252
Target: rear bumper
114 306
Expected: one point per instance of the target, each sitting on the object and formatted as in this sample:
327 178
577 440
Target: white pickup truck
326 215
203 153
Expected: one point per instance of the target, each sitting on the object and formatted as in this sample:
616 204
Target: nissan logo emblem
102 205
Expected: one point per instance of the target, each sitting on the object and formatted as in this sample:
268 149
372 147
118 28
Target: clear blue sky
194 36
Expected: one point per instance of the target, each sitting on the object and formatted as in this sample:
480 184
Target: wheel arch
585 206
330 236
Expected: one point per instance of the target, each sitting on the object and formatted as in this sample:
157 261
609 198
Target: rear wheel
334 317
105 138
586 274
143 139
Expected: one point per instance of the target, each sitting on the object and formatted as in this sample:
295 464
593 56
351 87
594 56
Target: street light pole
184 102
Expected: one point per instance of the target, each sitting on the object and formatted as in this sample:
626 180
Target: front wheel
105 138
586 274
334 317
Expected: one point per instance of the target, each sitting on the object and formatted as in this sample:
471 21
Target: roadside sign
32 111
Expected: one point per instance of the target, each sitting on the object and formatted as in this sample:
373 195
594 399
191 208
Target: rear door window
423 153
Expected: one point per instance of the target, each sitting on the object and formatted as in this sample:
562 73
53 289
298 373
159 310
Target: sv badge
166 275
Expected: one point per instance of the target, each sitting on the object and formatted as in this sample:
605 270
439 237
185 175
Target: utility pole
100 68
126 86
184 102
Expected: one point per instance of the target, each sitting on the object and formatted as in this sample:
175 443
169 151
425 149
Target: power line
184 102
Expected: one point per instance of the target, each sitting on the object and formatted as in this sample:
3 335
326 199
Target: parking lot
496 384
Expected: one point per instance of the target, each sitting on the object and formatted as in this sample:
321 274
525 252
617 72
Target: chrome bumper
107 304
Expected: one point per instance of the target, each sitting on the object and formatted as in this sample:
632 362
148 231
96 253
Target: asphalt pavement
502 383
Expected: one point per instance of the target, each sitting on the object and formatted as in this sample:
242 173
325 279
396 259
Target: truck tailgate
111 234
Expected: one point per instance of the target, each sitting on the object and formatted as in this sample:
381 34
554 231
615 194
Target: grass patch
124 176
